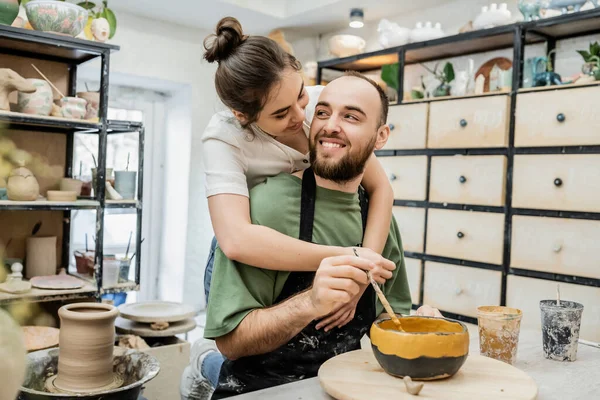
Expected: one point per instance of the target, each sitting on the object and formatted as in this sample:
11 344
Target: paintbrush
382 299
128 244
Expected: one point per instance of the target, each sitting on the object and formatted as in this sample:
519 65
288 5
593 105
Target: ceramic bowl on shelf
56 17
391 34
62 195
427 31
492 16
428 349
73 107
346 45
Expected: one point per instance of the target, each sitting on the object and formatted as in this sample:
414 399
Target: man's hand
343 314
381 268
428 311
337 282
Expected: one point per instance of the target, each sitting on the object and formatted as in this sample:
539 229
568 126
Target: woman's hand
343 314
381 267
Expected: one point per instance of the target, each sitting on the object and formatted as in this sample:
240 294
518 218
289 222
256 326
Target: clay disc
143 329
40 337
116 383
356 375
157 311
56 282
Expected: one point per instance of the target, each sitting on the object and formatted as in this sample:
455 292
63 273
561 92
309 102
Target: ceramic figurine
22 185
9 9
100 29
493 16
545 77
346 45
563 5
530 9
391 34
9 82
39 102
426 32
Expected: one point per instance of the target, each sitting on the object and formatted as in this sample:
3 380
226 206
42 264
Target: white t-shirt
237 159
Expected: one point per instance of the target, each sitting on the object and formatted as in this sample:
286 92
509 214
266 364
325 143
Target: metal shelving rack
515 36
74 52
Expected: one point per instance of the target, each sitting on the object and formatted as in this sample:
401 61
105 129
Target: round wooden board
156 311
143 329
357 376
40 337
56 282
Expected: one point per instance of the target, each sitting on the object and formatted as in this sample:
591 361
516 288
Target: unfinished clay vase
41 256
9 82
86 342
22 185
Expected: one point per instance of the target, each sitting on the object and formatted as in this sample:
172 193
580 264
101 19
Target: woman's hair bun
228 37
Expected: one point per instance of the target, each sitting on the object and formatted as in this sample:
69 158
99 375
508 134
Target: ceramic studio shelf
15 120
44 205
123 126
558 87
442 98
124 287
122 204
42 295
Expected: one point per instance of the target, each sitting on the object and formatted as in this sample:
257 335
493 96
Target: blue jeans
209 268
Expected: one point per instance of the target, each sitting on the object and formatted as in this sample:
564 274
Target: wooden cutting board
357 376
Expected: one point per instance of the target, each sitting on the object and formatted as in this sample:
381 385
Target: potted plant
591 59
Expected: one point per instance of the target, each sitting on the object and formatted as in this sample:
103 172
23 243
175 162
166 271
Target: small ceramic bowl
429 349
56 17
73 107
60 195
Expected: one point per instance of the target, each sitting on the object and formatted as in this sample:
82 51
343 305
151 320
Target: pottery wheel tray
140 318
126 326
357 376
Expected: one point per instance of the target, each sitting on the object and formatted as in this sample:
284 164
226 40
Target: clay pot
37 103
22 185
93 104
72 107
71 185
84 262
41 257
86 342
429 349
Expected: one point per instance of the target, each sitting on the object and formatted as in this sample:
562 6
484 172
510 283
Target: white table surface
579 380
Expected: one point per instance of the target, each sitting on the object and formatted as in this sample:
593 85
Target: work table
579 380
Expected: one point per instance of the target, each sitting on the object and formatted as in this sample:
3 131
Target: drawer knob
462 179
393 177
460 235
560 117
463 122
392 127
458 291
557 248
558 182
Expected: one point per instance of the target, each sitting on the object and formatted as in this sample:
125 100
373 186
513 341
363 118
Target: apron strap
307 205
363 198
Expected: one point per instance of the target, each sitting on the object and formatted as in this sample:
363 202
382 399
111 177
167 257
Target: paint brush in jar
382 299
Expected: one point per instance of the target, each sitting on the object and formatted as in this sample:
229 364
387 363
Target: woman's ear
383 133
240 117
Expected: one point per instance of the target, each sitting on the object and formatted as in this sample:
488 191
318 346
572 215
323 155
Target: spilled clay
560 329
499 329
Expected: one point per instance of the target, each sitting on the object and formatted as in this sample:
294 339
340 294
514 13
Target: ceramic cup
125 183
93 104
560 329
71 185
38 102
110 273
499 329
73 107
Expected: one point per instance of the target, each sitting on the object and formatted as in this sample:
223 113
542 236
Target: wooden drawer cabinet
460 290
556 245
558 118
478 122
557 182
468 180
408 176
408 126
411 223
468 235
526 293
413 273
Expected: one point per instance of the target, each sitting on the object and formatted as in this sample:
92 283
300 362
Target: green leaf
389 74
595 49
112 21
88 5
586 56
449 72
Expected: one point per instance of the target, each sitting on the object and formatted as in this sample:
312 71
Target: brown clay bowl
429 349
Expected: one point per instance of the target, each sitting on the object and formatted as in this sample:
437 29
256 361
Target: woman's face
283 114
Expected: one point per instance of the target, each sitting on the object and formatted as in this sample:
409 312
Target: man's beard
343 170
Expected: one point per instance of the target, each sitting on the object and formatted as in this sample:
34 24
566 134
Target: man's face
345 129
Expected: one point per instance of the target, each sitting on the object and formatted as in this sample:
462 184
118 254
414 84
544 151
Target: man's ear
383 133
240 116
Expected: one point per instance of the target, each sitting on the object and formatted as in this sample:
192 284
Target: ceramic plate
156 311
40 337
56 282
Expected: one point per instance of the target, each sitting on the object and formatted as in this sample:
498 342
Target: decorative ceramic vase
86 343
22 185
563 5
530 9
37 103
56 17
125 183
391 34
9 9
71 185
73 107
41 257
93 104
493 16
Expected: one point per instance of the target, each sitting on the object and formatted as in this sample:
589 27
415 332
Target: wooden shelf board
558 87
16 120
48 205
124 287
42 295
468 96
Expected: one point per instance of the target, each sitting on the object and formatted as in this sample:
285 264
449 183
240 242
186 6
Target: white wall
168 58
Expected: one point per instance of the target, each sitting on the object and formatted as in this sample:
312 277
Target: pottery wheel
157 311
116 383
56 282
40 337
143 329
356 375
